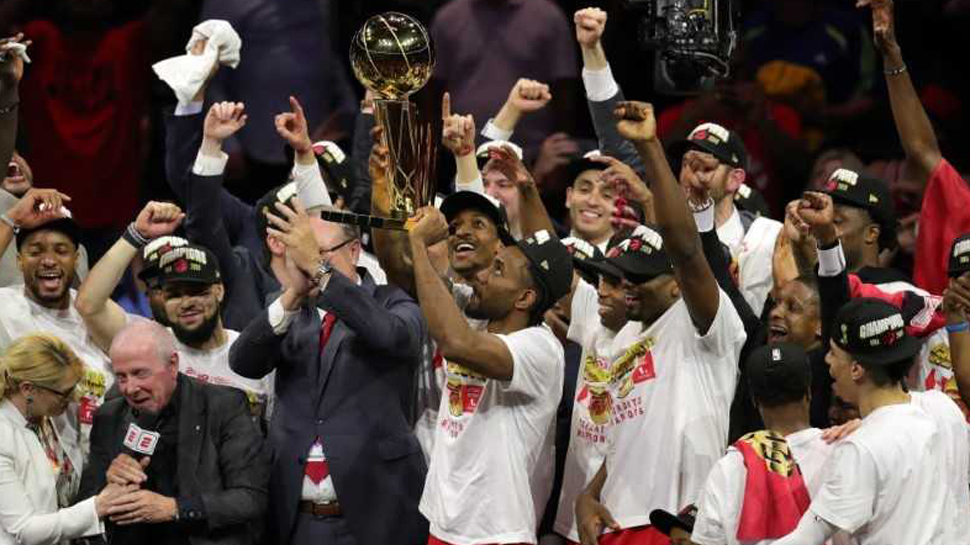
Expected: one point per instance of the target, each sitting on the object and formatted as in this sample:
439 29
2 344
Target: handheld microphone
141 437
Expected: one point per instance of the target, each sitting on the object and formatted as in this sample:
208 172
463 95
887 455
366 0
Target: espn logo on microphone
141 441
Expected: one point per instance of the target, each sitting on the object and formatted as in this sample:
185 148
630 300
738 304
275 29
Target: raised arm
526 96
458 136
815 214
103 317
698 286
533 216
956 304
602 91
11 72
912 123
36 207
479 351
391 247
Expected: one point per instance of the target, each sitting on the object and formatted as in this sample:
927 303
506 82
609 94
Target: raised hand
224 120
37 207
428 226
883 24
624 179
529 95
635 121
292 127
11 64
291 225
590 24
956 299
817 211
158 219
458 131
509 164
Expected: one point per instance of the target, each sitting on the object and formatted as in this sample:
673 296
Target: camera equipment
693 41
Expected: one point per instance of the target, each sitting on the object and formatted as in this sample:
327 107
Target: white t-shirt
885 484
492 436
20 316
669 397
954 429
754 251
212 366
587 432
722 499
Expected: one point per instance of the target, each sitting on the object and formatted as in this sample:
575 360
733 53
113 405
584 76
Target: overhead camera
693 41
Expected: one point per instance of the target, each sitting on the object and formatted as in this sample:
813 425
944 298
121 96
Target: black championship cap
751 200
641 256
777 369
472 200
190 263
666 521
874 332
720 142
859 190
581 164
589 260
551 266
150 254
267 203
959 256
334 167
66 226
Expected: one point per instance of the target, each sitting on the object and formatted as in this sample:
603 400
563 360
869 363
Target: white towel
186 74
16 48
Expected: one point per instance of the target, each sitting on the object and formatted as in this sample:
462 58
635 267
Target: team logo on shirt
603 381
91 391
465 389
940 355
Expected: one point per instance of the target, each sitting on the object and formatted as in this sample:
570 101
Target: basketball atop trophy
392 55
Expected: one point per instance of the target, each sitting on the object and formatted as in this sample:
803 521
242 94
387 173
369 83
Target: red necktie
328 321
317 467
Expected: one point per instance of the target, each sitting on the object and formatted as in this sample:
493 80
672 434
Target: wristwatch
322 271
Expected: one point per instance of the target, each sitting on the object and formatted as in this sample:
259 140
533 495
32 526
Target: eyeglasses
63 395
324 251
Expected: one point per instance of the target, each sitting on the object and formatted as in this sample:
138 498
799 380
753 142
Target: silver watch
322 270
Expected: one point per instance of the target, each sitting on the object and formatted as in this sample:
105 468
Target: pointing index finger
446 106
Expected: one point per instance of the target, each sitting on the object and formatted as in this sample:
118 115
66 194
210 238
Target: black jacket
222 462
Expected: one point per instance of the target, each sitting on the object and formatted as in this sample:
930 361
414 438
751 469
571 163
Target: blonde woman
39 472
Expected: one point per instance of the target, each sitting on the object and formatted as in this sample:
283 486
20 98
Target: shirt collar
9 411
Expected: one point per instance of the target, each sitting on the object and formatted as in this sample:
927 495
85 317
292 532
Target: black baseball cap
874 332
267 203
751 200
589 260
779 372
641 256
666 521
959 256
65 226
581 164
152 251
551 266
189 263
334 167
860 190
724 144
457 202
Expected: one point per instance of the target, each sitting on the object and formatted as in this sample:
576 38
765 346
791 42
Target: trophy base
364 220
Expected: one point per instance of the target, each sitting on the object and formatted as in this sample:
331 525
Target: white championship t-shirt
212 367
885 483
952 426
21 316
668 399
722 499
491 436
754 251
588 430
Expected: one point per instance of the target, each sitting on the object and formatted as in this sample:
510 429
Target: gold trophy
392 56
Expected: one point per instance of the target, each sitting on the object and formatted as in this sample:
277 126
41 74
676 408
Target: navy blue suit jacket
355 396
